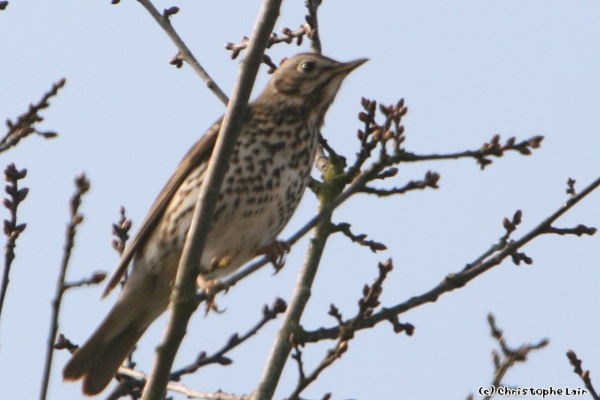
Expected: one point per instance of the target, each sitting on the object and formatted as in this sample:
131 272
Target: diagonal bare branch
184 52
183 298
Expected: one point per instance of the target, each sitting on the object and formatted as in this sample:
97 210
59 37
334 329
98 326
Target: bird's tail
98 359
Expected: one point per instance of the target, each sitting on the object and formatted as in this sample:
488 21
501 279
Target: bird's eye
307 66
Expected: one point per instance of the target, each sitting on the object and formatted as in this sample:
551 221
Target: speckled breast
268 172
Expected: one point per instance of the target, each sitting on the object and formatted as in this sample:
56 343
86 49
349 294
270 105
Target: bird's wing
199 153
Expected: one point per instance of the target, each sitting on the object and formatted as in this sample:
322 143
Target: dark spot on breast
218 211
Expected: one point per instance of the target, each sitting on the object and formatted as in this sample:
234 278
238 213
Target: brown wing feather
197 154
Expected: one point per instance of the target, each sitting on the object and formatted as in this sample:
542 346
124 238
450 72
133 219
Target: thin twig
366 304
268 314
309 29
490 149
183 296
82 185
332 355
584 375
313 21
287 36
510 227
360 239
141 378
510 356
25 124
184 52
429 181
579 230
120 232
94 279
11 228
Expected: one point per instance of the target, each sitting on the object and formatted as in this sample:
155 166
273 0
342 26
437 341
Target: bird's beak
346 68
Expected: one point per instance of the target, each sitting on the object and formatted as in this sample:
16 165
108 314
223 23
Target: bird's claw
210 287
276 251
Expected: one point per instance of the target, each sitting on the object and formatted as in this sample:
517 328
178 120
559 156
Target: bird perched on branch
267 174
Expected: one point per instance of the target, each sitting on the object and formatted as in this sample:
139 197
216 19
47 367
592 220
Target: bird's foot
210 287
276 251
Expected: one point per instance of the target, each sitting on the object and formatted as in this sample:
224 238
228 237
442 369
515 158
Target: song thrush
267 175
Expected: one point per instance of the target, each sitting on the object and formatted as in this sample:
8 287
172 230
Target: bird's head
309 80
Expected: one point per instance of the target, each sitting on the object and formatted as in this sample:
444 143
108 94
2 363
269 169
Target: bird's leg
210 287
276 251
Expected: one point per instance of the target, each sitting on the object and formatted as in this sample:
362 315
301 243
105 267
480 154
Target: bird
267 174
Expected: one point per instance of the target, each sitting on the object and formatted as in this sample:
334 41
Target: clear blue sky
467 70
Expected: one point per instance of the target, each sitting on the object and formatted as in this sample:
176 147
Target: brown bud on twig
535 142
21 194
360 135
518 257
525 151
571 187
507 224
364 117
483 162
12 174
170 11
280 306
400 327
517 217
176 60
335 313
511 225
49 135
224 361
233 339
63 343
98 277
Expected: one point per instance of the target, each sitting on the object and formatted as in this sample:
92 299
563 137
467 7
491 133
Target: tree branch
459 279
309 29
268 314
140 380
493 148
366 304
584 375
11 228
82 185
313 21
184 52
510 356
24 126
329 190
184 301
